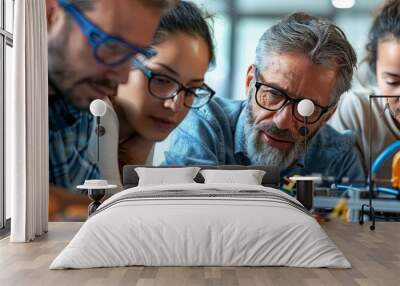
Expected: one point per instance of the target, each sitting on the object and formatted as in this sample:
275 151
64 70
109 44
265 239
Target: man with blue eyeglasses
91 44
301 57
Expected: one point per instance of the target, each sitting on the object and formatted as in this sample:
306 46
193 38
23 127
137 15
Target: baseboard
4 232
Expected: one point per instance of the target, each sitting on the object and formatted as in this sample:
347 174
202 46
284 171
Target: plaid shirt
69 133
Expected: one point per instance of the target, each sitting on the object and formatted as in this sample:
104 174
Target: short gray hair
323 42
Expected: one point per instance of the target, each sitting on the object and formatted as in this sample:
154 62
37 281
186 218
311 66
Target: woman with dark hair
160 91
383 62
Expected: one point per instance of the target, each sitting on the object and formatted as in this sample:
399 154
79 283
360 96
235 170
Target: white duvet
201 224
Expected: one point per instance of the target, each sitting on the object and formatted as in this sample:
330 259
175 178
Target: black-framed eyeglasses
273 99
107 49
165 87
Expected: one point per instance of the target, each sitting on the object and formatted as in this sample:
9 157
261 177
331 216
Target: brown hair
386 25
188 18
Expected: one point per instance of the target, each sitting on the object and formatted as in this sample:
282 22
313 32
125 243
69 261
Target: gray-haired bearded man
301 57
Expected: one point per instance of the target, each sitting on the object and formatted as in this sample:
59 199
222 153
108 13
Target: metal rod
371 180
98 139
305 139
371 176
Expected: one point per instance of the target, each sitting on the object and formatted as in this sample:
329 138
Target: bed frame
271 178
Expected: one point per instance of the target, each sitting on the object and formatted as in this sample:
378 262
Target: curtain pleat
27 119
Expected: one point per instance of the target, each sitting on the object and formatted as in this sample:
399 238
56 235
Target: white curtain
27 124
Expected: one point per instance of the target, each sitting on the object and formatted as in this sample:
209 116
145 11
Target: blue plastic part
96 36
389 151
383 190
387 191
346 187
376 165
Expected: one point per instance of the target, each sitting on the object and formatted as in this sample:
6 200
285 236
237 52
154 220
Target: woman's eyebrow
174 72
171 70
391 74
197 80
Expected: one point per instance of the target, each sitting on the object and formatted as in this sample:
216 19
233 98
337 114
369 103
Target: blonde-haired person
382 77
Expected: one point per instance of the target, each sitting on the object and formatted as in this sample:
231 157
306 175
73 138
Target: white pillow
248 177
166 176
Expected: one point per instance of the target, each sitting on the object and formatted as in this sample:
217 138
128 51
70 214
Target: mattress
201 225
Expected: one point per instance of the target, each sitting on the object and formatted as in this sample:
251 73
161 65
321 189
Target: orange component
396 171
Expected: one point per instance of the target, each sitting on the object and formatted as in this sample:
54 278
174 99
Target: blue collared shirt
69 134
214 135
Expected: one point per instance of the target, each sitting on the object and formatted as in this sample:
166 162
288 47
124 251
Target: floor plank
374 255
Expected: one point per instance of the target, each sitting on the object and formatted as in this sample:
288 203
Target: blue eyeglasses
107 49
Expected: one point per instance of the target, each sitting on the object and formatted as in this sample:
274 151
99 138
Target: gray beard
264 154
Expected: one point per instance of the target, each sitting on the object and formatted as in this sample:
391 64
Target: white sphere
305 107
343 4
98 107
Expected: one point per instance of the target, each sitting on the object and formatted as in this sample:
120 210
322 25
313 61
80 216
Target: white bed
201 225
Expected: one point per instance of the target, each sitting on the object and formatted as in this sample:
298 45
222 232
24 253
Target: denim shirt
214 135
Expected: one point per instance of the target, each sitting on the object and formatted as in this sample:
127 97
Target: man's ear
249 78
51 8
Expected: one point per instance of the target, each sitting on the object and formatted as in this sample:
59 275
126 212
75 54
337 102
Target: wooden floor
375 257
